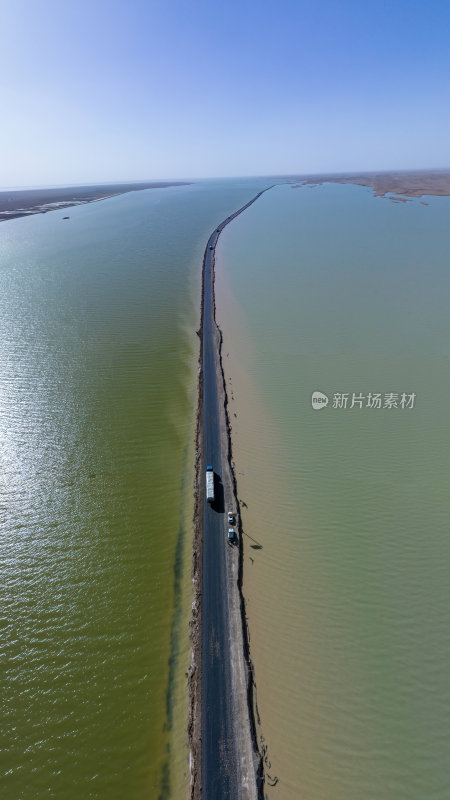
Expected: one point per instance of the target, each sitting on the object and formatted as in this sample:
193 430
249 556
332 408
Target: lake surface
98 368
346 510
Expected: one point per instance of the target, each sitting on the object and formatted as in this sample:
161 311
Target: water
98 359
346 524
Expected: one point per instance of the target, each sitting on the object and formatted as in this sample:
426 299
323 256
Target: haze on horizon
113 91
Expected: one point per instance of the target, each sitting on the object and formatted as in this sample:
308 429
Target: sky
101 90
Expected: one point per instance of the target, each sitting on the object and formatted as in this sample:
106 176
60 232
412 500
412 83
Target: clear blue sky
101 90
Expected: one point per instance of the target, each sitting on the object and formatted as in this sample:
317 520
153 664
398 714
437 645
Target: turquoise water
98 364
348 597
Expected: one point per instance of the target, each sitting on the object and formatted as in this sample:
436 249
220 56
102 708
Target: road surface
221 779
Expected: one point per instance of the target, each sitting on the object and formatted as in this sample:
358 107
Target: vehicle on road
231 535
230 518
210 484
211 247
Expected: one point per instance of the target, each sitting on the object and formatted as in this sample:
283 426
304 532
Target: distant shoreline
27 202
412 183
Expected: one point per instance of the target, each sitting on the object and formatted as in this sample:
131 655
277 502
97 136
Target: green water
98 365
349 597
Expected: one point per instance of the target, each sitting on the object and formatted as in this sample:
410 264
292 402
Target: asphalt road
220 765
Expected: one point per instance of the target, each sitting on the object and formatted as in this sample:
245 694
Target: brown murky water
346 510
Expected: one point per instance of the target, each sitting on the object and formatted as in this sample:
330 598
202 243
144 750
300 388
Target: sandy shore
408 184
26 202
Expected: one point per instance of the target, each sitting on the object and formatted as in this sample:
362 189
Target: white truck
210 484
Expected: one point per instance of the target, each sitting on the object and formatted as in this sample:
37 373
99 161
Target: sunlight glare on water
98 363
